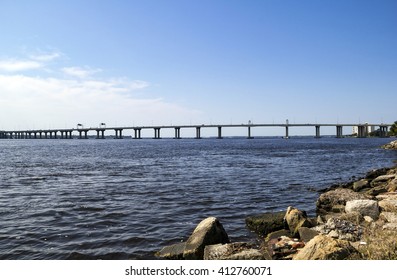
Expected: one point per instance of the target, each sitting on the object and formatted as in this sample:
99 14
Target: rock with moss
266 223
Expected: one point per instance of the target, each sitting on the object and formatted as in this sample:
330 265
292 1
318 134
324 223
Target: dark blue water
126 199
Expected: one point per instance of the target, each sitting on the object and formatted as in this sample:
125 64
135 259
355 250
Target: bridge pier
137 132
339 131
198 132
81 131
318 131
362 131
118 133
100 134
249 133
177 133
220 132
383 131
286 132
157 133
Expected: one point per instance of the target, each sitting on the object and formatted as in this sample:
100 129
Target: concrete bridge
82 133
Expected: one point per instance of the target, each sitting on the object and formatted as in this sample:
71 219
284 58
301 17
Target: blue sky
187 62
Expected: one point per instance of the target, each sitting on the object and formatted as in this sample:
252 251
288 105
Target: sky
156 62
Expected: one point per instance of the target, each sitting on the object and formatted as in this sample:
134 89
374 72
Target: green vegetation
393 129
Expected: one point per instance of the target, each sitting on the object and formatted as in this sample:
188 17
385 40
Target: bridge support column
249 133
85 131
362 131
198 132
382 131
157 133
318 131
100 134
137 132
220 132
286 132
339 131
118 134
177 133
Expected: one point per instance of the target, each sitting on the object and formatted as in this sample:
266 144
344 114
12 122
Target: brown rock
296 219
324 247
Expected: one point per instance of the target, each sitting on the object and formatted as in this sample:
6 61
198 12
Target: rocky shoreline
356 220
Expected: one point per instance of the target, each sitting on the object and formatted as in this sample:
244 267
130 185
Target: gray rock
365 207
208 232
327 200
232 251
341 229
172 252
306 234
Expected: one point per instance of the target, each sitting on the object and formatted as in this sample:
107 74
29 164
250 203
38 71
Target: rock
341 229
327 200
376 173
382 181
296 219
365 207
389 217
390 226
208 232
390 146
388 205
265 223
361 184
172 252
232 251
377 190
392 185
306 234
324 247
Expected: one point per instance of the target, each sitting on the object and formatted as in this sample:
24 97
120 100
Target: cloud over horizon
71 95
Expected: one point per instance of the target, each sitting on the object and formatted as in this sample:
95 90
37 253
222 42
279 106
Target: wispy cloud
14 65
80 72
45 57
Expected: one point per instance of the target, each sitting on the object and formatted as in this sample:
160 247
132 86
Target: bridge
82 133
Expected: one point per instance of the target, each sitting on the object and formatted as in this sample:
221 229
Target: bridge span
82 133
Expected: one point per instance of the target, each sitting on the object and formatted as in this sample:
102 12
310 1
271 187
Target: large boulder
232 251
323 247
296 219
266 223
327 201
365 207
208 232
